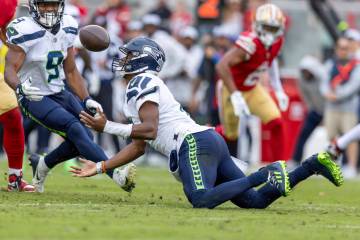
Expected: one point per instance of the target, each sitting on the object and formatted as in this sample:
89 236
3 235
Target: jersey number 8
55 58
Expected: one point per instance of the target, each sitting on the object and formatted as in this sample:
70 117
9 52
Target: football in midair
94 38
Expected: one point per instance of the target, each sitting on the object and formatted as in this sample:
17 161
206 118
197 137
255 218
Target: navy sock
63 152
299 174
78 135
258 177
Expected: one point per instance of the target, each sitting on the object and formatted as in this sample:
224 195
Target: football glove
283 100
92 105
26 90
239 104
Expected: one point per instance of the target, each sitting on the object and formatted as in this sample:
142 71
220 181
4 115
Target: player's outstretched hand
87 170
97 122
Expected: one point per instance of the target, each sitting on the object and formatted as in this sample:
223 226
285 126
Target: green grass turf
96 209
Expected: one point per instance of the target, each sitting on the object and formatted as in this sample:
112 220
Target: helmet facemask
47 18
124 64
268 34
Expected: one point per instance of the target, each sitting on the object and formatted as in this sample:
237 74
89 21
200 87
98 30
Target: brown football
94 38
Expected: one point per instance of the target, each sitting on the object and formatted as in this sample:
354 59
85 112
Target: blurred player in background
40 58
198 155
242 67
10 116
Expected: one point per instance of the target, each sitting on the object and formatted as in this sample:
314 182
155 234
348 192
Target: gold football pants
259 102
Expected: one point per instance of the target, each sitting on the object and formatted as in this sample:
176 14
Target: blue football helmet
47 19
139 55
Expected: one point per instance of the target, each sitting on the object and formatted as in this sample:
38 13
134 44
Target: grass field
96 209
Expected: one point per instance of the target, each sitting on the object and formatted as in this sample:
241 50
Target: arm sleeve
275 76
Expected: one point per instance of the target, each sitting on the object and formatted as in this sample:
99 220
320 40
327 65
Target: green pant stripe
194 162
63 134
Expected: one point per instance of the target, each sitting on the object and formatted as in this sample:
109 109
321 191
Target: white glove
92 105
239 104
283 100
26 90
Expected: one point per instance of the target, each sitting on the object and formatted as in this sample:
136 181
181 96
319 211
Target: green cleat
323 164
278 177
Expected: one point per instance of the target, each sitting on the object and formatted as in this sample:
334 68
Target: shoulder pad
24 31
246 42
140 86
70 25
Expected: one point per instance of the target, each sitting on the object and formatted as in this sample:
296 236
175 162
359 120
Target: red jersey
246 74
7 11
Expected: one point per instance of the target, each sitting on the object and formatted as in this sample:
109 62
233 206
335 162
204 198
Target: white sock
15 171
349 137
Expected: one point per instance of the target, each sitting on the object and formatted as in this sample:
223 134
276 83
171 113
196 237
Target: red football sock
14 139
277 138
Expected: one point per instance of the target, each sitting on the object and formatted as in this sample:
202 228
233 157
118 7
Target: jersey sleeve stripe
239 45
147 92
71 30
28 37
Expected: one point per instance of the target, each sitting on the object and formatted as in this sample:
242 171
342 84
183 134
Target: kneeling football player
198 155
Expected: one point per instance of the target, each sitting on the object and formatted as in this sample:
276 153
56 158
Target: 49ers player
240 70
10 116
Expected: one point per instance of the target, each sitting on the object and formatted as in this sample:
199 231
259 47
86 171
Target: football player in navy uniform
198 156
40 58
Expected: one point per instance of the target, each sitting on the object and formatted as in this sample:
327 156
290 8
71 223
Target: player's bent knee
77 130
199 199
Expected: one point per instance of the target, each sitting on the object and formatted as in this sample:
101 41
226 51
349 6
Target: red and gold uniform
10 115
247 75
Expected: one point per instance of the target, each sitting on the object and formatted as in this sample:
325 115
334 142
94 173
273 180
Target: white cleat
125 177
40 171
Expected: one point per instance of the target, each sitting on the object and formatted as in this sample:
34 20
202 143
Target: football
94 38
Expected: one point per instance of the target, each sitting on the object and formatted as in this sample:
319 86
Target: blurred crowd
194 40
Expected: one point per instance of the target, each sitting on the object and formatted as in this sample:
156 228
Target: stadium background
95 209
305 35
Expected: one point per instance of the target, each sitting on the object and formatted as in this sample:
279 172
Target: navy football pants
210 177
60 114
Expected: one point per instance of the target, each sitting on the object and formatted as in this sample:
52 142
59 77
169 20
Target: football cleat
278 177
323 164
17 184
125 177
40 171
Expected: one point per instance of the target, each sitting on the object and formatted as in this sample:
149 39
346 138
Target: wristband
123 130
100 167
